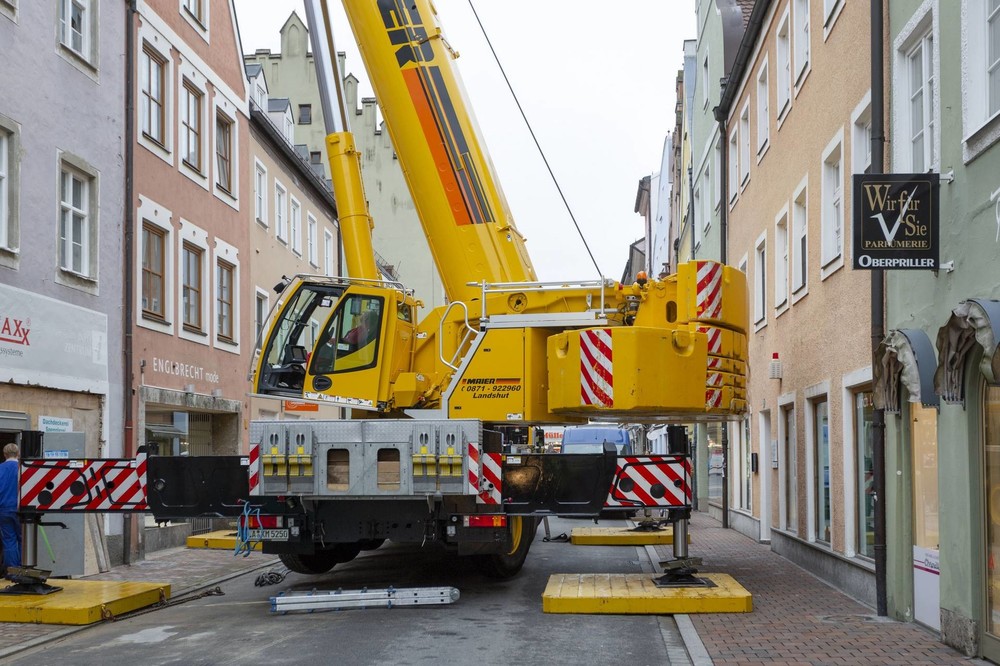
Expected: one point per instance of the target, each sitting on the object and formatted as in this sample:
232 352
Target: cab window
350 339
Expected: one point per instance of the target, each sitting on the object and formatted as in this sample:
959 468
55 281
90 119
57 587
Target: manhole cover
853 619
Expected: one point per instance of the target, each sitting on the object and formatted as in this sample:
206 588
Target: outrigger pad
186 487
558 483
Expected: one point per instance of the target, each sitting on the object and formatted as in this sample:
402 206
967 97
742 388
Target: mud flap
186 487
557 483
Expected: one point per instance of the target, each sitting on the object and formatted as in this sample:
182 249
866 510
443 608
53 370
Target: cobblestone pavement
797 618
183 568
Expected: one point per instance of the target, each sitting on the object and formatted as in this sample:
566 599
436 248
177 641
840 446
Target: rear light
486 520
258 522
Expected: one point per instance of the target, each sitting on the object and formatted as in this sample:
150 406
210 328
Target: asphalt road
494 622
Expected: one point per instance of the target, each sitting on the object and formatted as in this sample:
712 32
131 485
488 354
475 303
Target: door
991 467
926 560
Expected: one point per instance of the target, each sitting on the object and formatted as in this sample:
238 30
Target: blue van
591 438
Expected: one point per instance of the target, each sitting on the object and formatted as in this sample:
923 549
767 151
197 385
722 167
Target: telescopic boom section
458 198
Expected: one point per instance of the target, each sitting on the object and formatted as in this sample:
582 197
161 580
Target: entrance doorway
926 559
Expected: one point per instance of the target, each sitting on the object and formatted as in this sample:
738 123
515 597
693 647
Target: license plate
269 535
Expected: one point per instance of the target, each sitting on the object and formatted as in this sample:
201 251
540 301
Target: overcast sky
596 80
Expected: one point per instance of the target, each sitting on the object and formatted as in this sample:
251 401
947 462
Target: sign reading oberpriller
896 221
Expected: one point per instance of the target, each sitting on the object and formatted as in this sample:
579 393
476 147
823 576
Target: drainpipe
878 311
720 117
128 448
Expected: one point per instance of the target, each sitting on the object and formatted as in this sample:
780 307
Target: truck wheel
509 563
321 561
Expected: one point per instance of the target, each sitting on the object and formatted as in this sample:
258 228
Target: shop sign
165 366
896 221
54 424
299 406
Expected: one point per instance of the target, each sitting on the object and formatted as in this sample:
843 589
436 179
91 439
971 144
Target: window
763 114
224 153
259 314
864 407
296 223
328 252
191 286
791 475
920 78
800 240
315 157
4 188
696 210
75 20
745 143
704 79
153 97
760 280
191 127
713 443
311 240
861 136
801 39
734 167
194 8
305 114
746 467
926 505
153 271
828 8
706 200
717 181
781 259
833 206
74 222
784 91
224 302
260 193
281 212
821 422
981 59
289 126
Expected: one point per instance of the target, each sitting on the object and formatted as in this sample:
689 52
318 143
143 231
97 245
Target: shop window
991 465
821 479
713 435
864 408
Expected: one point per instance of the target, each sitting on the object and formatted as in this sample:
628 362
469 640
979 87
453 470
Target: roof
746 6
754 23
278 104
253 69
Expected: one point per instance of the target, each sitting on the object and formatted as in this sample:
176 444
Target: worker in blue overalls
10 525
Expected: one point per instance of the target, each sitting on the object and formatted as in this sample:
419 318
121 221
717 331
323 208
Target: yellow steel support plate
219 540
82 601
637 594
621 536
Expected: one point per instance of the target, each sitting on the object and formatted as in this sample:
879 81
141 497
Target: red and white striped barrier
596 378
484 475
84 485
253 469
651 481
709 298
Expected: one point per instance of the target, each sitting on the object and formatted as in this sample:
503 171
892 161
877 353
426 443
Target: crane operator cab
335 341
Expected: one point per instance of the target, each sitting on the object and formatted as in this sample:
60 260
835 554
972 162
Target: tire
508 564
321 561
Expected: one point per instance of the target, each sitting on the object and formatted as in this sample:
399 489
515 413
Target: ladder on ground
383 598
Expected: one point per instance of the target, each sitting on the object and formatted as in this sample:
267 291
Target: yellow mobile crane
425 464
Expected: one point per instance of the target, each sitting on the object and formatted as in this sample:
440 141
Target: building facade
191 322
61 228
398 237
796 109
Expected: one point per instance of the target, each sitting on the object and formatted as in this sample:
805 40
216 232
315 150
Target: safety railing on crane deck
468 334
515 287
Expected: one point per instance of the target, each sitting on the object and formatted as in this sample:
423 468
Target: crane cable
535 139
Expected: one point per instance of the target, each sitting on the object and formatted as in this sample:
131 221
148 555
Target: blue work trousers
10 538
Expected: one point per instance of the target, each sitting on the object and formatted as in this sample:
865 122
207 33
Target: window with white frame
781 259
717 171
191 283
763 112
696 209
791 471
191 126
821 471
829 6
281 212
801 37
328 252
5 188
224 153
800 240
224 301
74 221
760 280
153 97
982 61
784 72
920 88
734 166
295 221
259 313
833 205
154 272
706 199
861 137
864 407
745 143
76 26
311 240
195 9
260 193
704 80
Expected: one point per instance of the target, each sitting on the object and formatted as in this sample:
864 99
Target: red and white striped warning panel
709 298
484 475
84 485
253 470
659 482
596 379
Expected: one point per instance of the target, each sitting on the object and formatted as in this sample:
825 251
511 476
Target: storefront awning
905 357
975 321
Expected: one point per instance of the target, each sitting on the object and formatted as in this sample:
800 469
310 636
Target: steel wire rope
531 131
